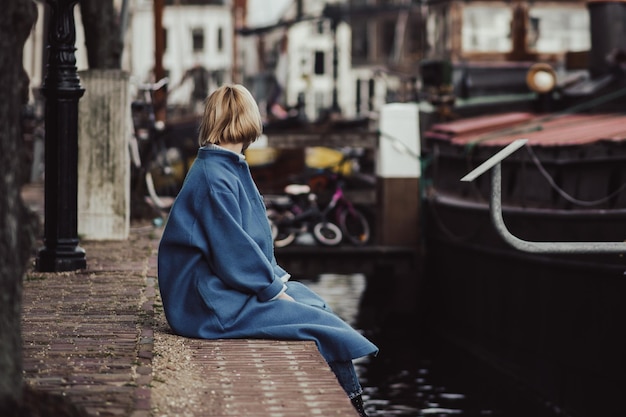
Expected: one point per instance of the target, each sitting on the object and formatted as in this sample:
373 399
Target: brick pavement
89 336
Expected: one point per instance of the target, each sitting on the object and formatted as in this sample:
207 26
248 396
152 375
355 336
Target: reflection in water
342 293
412 376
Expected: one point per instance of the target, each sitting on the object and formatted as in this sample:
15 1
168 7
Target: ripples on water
406 378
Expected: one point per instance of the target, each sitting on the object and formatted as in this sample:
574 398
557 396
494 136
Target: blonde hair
231 115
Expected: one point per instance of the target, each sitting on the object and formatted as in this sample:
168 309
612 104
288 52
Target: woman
217 272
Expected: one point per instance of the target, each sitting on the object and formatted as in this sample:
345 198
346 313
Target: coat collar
212 147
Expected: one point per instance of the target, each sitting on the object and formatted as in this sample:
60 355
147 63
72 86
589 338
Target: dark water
415 374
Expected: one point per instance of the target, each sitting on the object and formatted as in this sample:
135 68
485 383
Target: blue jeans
347 377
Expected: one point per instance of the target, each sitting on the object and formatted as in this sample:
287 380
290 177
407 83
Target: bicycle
299 209
352 221
296 213
158 166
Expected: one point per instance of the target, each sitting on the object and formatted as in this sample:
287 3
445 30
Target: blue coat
217 273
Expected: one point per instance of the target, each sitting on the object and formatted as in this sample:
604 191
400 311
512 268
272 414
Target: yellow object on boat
261 156
323 157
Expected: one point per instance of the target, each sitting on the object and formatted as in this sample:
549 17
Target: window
487 28
320 27
387 36
319 63
220 39
558 29
360 40
197 37
551 28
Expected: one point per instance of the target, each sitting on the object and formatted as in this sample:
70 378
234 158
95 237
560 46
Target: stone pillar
103 159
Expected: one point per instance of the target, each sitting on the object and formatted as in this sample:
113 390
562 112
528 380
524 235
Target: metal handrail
495 209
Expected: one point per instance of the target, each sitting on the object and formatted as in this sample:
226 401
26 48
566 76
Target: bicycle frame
338 201
305 216
339 213
295 217
342 212
152 159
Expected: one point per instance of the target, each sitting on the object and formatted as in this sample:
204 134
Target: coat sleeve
235 256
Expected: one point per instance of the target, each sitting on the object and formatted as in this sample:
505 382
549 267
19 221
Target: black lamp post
62 90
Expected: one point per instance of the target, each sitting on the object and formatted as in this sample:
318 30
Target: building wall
138 58
179 55
306 40
178 21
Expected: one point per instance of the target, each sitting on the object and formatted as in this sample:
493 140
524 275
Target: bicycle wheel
273 229
327 233
282 232
165 202
354 226
164 176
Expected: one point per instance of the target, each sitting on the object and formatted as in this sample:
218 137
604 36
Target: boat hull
552 324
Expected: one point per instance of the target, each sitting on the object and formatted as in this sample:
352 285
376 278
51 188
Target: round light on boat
541 78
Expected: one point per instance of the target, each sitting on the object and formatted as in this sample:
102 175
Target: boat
550 322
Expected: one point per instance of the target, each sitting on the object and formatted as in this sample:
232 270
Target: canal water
415 375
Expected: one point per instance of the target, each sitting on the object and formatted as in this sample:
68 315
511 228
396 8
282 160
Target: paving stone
91 336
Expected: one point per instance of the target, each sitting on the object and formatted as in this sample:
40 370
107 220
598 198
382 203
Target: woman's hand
285 296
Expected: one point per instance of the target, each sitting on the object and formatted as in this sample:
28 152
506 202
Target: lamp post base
49 260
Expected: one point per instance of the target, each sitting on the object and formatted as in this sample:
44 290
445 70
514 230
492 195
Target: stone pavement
93 336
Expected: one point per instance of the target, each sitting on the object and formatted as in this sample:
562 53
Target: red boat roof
546 130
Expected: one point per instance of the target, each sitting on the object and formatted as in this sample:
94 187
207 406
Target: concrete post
398 173
103 158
